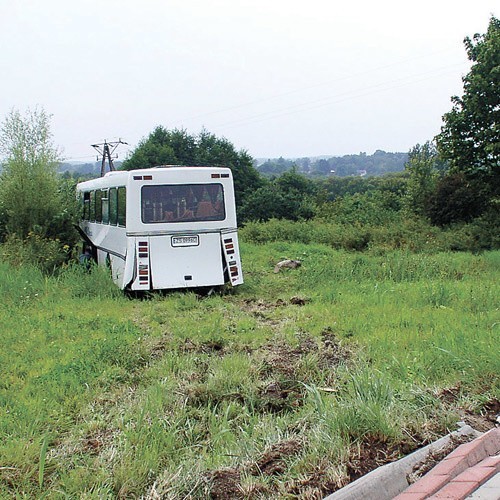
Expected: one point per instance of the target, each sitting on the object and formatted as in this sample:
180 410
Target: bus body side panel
110 243
117 270
129 272
231 251
182 261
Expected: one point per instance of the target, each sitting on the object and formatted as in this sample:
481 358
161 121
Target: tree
470 137
290 196
29 191
177 147
424 167
456 199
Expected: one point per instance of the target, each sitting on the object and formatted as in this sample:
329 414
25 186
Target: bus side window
113 207
122 206
98 206
105 206
86 205
92 206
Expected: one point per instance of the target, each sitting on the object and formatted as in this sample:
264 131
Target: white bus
164 227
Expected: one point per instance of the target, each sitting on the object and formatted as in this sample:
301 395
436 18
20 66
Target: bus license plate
185 241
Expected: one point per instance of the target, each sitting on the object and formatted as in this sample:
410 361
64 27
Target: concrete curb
390 480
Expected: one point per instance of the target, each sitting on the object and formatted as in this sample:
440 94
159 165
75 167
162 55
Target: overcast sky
275 77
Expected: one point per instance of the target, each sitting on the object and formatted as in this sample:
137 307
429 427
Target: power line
309 87
329 100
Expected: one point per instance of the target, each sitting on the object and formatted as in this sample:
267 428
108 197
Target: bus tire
85 260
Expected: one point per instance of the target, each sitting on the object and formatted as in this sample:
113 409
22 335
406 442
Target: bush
44 253
375 208
486 229
415 235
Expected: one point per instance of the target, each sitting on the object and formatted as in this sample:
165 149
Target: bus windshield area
182 203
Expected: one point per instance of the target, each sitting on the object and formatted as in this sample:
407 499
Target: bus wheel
87 258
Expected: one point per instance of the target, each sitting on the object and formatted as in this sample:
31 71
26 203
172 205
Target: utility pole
106 149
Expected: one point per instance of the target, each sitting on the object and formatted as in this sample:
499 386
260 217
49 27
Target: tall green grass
102 396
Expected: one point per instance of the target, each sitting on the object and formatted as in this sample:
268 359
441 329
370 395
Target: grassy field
290 386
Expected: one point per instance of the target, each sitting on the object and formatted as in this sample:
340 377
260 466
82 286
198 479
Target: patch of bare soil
208 347
299 301
226 483
450 395
482 420
281 367
253 306
316 484
159 345
332 353
261 310
273 461
371 453
282 358
94 442
260 305
486 419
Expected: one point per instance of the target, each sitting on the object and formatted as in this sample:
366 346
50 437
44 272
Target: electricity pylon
106 149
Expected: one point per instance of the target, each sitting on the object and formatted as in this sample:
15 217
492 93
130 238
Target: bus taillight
143 263
143 249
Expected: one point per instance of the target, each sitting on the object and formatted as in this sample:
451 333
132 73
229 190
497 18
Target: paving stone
474 452
429 484
477 473
488 491
456 490
492 462
491 441
451 466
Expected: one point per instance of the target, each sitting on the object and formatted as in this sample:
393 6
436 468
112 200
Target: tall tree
424 167
470 136
177 147
29 190
290 196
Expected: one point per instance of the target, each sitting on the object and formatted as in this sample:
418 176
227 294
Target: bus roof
123 175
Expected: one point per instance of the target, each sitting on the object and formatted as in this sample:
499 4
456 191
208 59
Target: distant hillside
379 163
77 169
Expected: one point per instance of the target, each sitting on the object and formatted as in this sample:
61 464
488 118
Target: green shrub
373 208
45 253
413 234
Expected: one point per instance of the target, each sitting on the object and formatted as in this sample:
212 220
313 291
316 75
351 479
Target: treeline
379 163
450 186
88 170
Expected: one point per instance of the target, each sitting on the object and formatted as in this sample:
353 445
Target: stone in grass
288 263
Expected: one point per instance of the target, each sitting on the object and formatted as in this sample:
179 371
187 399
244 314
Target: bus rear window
182 203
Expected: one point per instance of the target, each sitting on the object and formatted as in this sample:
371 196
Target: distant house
361 173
